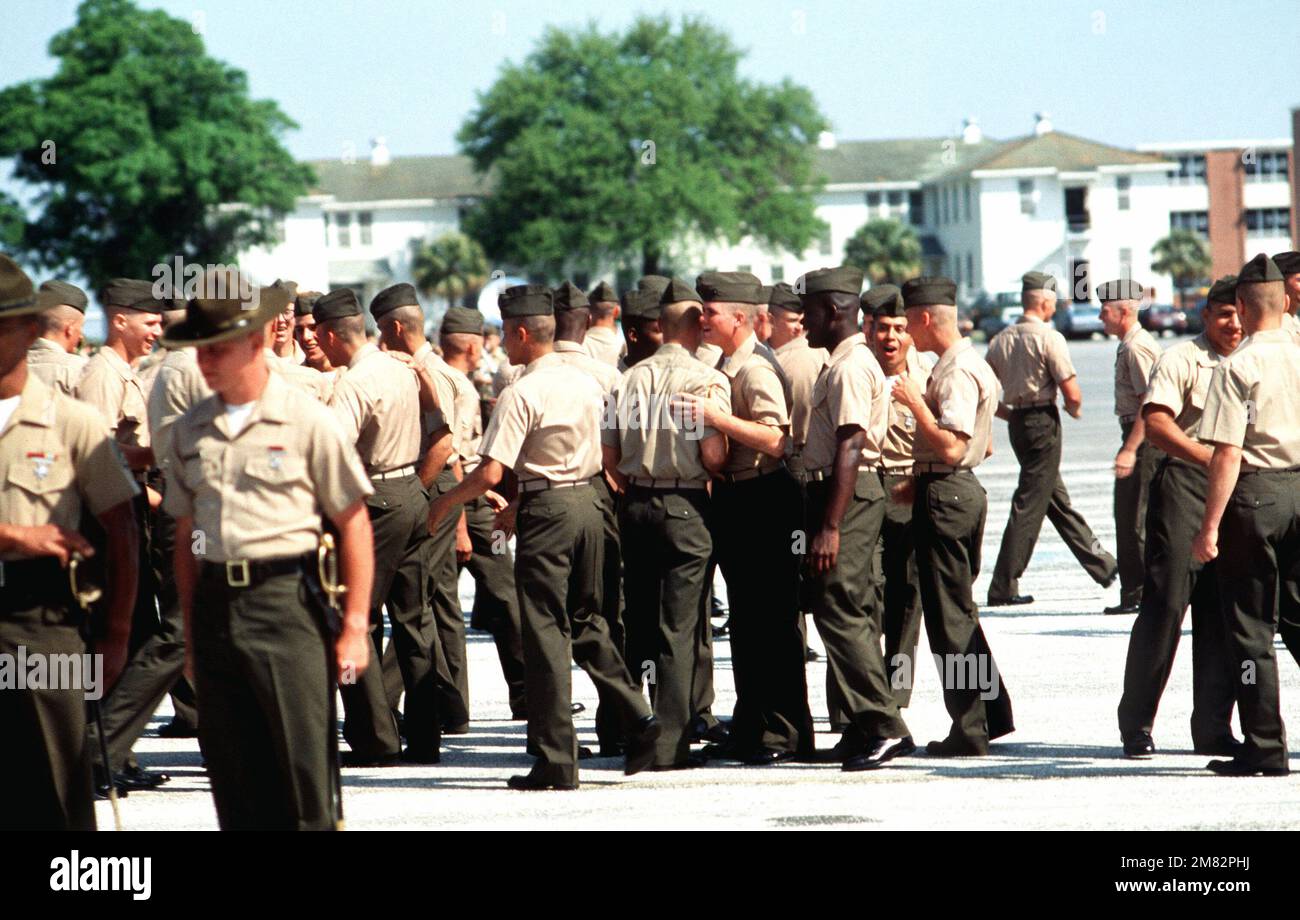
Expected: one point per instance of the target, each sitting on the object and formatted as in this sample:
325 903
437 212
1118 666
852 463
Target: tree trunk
649 259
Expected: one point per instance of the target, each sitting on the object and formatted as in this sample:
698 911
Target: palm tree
454 265
1185 258
885 249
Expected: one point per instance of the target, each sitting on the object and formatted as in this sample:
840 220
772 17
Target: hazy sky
1120 71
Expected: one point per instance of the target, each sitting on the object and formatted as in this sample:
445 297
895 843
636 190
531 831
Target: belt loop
237 574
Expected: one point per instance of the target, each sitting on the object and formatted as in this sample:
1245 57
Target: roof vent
1042 123
379 155
970 131
826 140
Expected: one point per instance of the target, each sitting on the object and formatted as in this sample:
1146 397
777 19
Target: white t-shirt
7 408
237 417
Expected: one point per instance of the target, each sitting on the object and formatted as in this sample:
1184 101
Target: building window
343 222
916 208
1191 170
895 200
1195 221
1027 203
1266 167
1268 222
778 273
326 217
965 191
1123 185
873 202
364 219
824 244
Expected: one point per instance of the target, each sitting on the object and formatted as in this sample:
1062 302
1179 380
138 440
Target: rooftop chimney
970 131
1042 123
379 155
826 140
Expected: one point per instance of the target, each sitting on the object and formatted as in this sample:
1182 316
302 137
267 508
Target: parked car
1078 320
1163 319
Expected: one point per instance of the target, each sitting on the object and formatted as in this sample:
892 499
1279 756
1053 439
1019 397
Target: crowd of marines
277 503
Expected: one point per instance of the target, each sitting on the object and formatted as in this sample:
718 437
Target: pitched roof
402 178
905 160
1053 150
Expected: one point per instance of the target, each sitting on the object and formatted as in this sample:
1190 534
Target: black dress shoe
414 756
810 654
720 752
1122 608
135 778
530 783
1139 746
352 759
613 749
718 734
1239 768
954 747
462 729
641 746
1014 601
101 791
766 757
693 761
1227 746
575 708
851 744
178 729
878 753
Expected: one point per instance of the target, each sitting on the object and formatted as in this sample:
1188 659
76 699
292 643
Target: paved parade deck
1060 658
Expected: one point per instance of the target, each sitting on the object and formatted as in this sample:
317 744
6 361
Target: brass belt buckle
237 575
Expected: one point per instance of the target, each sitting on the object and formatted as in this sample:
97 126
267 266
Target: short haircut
602 309
410 316
675 318
571 325
1034 299
55 318
747 310
458 343
347 328
541 329
942 315
1264 296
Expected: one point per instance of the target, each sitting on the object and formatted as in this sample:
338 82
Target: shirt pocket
43 478
273 470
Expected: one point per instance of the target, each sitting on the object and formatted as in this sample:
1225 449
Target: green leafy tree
453 265
609 148
1184 257
135 144
886 250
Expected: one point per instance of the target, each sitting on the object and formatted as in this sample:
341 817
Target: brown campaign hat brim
196 329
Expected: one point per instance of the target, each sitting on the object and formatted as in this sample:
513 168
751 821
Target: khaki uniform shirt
1252 402
299 376
653 442
444 388
260 493
850 391
147 369
1181 381
1031 359
110 386
1134 361
963 394
710 355
377 402
468 433
574 354
897 451
55 367
760 392
547 424
605 345
802 364
178 387
56 455
505 375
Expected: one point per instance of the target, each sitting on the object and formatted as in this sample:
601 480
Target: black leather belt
247 573
29 583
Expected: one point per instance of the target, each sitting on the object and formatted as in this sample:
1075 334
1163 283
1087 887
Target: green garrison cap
1037 281
884 300
17 296
61 294
678 291
303 303
1224 290
641 304
336 305
653 285
930 291
843 279
290 286
1288 263
568 296
132 294
783 296
526 300
1259 270
603 293
462 320
1122 289
226 314
730 287
393 297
